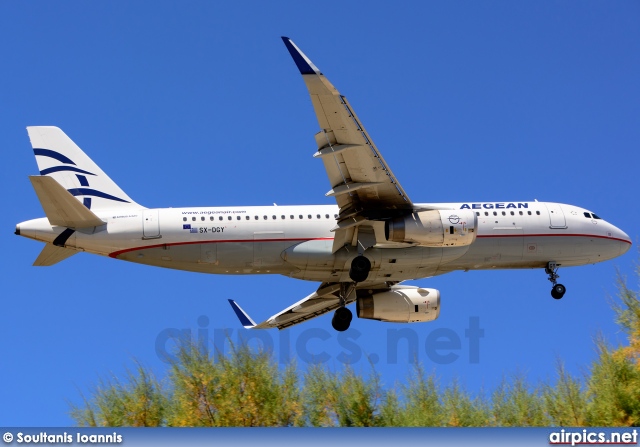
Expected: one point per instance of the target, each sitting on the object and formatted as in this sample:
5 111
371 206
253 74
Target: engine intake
400 305
434 228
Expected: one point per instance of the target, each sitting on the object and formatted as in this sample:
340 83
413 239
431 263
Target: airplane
362 249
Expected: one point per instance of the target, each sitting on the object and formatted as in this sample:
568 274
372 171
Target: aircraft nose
17 232
624 239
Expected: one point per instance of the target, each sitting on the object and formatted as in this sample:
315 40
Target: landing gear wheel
558 291
341 319
360 267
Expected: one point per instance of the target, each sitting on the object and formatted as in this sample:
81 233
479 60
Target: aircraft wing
324 300
361 181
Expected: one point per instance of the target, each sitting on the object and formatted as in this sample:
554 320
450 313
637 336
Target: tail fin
60 158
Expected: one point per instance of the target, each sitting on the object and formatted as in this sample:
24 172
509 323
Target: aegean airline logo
84 182
491 206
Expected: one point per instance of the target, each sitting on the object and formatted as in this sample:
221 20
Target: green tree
138 402
344 400
243 389
515 404
566 401
247 388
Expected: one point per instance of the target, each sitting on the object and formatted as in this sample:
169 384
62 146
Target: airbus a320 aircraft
362 249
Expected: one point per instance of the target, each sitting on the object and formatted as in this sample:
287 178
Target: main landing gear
360 267
359 271
558 290
342 317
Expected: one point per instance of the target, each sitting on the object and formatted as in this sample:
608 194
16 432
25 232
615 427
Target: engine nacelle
434 228
400 305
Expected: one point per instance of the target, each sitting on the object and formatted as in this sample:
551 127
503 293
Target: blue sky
199 104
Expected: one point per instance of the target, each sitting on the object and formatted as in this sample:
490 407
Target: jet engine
434 228
400 305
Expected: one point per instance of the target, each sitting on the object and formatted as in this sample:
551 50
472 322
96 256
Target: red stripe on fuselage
555 235
480 236
173 244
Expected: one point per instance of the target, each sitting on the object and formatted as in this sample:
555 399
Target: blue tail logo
81 174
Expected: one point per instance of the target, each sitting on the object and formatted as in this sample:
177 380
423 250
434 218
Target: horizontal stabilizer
60 206
51 254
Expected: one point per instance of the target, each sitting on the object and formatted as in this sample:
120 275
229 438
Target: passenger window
264 217
291 217
229 218
529 213
537 213
300 216
202 218
504 213
512 213
256 218
309 216
247 218
211 218
495 213
318 216
486 213
239 218
184 219
193 219
520 212
326 216
335 216
273 217
220 218
477 213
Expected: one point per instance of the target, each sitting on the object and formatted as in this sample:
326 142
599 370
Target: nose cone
624 240
17 232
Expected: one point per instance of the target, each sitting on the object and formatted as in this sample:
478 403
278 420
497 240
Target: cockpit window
592 216
587 215
595 217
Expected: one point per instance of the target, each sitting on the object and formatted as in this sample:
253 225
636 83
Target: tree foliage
246 388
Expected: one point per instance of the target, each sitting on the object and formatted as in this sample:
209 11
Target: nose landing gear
558 290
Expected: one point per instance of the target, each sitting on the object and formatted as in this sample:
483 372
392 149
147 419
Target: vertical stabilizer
60 158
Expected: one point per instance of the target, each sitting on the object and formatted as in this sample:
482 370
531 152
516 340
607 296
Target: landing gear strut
558 290
359 271
343 316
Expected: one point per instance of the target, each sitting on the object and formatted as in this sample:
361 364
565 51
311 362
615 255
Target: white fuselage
297 241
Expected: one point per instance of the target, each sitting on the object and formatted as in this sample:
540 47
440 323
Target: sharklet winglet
302 61
245 319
